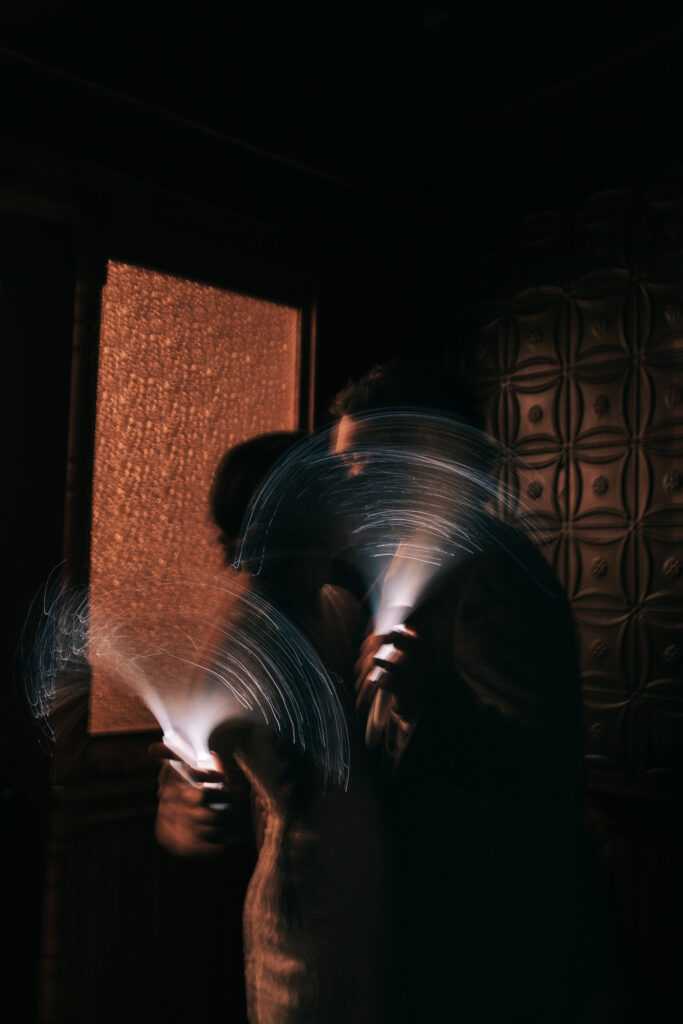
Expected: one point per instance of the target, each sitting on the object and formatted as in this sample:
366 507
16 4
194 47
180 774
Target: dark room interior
499 185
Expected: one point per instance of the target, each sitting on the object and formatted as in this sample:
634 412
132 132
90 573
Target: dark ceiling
418 100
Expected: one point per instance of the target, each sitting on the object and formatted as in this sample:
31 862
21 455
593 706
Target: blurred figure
499 910
315 916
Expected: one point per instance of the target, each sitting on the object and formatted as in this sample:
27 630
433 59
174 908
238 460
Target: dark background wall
416 177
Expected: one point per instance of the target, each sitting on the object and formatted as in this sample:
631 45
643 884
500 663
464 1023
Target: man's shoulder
506 561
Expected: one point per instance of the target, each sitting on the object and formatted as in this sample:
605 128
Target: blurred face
344 436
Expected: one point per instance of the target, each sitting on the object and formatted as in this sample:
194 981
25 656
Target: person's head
407 383
238 476
402 384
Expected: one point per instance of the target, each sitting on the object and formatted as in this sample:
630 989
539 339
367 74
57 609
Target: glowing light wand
189 760
380 708
253 664
407 494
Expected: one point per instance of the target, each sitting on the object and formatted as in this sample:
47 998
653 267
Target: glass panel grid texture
186 370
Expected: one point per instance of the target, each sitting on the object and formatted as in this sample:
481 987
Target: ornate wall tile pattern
608 645
661 388
535 414
610 737
602 486
662 476
606 321
603 404
660 570
587 391
540 485
660 646
602 569
537 336
664 725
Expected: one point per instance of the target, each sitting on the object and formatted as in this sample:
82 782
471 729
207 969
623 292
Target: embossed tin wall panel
662 316
536 413
610 737
660 569
662 475
601 569
485 355
540 486
661 650
664 724
603 404
602 486
551 543
607 641
582 377
537 337
605 322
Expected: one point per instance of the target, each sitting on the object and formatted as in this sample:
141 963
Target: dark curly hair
408 383
240 473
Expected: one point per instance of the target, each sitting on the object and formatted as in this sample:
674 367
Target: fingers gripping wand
189 761
380 709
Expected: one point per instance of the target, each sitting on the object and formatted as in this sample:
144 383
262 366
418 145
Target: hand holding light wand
384 681
203 808
192 765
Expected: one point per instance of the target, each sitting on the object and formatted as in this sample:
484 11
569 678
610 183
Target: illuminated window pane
185 371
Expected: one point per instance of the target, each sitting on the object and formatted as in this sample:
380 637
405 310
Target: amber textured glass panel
185 371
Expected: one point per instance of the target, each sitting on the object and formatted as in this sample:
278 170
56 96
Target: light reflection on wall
185 371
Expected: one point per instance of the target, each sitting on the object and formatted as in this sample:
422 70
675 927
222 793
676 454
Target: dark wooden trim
307 365
78 493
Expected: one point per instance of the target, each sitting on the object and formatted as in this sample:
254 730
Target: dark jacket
497 895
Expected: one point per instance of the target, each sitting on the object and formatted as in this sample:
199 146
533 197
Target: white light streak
411 496
404 496
259 665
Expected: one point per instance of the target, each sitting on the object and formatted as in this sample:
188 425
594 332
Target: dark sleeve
500 723
515 666
513 644
488 791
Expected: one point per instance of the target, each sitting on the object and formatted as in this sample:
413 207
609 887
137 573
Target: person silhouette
500 912
316 911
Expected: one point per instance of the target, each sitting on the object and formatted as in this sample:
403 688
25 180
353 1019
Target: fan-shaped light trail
408 496
259 665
